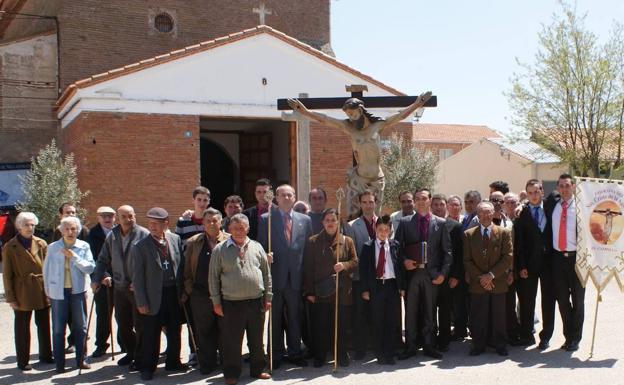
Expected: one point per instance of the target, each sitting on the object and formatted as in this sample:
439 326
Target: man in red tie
568 289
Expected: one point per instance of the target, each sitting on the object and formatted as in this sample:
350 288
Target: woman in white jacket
67 265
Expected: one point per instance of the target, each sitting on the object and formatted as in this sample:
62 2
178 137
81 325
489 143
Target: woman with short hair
67 265
23 258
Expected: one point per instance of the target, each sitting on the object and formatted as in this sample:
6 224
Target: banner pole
598 300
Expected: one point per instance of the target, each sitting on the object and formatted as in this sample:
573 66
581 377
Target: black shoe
46 360
515 341
69 349
572 346
458 337
146 376
343 360
134 367
359 355
100 351
431 352
318 363
125 360
543 345
407 353
443 348
476 351
564 346
24 368
297 361
206 370
60 369
502 352
177 367
526 341
389 361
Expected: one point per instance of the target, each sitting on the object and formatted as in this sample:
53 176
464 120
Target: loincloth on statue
357 184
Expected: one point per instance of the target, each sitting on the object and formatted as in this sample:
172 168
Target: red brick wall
97 36
137 159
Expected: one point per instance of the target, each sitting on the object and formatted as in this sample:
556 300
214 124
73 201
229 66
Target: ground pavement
522 366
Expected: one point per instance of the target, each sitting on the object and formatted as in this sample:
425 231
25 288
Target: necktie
486 238
381 262
536 216
563 240
287 227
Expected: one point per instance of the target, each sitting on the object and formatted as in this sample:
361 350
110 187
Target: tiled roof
210 44
527 149
608 151
451 133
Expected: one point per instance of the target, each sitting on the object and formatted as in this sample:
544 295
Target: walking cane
268 197
86 337
190 329
339 196
109 297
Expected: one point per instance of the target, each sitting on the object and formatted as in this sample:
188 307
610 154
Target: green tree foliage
571 99
406 167
50 182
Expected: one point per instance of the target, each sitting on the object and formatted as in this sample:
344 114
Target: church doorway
237 152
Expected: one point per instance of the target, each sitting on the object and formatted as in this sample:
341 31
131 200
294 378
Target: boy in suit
382 283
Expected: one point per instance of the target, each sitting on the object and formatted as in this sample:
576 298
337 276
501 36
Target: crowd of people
458 267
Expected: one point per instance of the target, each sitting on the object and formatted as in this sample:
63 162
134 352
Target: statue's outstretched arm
407 111
296 105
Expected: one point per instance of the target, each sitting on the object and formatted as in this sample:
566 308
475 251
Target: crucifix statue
262 11
363 129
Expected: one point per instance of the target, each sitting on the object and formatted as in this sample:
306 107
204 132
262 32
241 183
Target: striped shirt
187 227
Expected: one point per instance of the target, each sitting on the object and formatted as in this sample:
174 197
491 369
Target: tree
406 167
571 100
50 182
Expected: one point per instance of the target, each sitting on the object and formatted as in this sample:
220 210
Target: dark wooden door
256 161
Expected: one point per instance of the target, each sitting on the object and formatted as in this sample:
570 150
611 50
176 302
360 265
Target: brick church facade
151 114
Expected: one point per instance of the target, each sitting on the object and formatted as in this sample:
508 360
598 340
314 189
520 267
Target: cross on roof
262 11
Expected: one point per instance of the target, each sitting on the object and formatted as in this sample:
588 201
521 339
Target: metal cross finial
268 197
262 11
340 194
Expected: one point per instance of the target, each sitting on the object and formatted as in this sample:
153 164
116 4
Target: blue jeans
60 313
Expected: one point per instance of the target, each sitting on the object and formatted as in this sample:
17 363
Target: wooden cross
357 91
262 11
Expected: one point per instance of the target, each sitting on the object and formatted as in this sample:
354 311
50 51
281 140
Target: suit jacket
498 258
368 268
147 272
319 260
114 260
287 258
359 233
439 247
456 233
23 274
529 243
194 246
252 215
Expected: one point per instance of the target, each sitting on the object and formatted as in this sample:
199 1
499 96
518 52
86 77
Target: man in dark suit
488 255
103 309
426 255
532 263
156 262
289 232
382 284
569 292
254 213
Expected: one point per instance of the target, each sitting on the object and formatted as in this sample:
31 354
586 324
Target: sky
463 51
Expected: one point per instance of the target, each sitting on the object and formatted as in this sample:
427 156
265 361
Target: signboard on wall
10 184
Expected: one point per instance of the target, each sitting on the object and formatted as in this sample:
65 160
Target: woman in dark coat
320 269
23 258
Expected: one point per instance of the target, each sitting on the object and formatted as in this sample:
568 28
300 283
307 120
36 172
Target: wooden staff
86 337
339 196
268 197
109 297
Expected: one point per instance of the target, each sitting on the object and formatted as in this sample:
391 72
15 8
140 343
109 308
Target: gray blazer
147 274
114 259
439 250
359 233
287 259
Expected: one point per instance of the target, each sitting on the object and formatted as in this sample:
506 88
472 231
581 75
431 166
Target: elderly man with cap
156 261
96 237
113 269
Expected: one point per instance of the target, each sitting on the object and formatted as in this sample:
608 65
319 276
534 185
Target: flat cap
105 210
157 213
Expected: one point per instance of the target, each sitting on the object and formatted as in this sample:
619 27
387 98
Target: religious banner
600 228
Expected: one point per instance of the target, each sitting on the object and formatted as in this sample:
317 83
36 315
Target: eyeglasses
496 200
